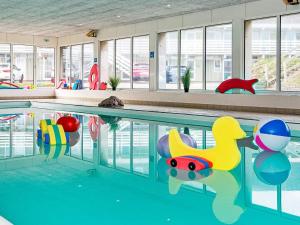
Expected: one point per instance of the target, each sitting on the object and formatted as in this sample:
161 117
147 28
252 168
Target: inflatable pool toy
44 128
51 133
247 142
272 134
189 163
93 77
185 175
7 85
69 123
53 151
163 144
236 83
61 84
56 135
77 85
103 86
225 155
226 205
7 117
272 168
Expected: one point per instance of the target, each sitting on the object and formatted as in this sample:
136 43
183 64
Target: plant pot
186 90
114 89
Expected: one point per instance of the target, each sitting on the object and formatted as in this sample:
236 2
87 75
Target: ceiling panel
65 17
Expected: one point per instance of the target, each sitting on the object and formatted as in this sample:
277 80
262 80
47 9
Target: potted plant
114 82
186 79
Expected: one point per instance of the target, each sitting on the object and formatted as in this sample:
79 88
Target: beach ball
69 123
163 144
272 168
272 134
74 138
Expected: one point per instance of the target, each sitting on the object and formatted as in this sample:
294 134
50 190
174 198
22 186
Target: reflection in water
52 151
74 138
226 185
130 146
272 168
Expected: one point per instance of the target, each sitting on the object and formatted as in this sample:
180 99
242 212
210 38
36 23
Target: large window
192 55
88 61
218 55
290 53
22 65
127 59
76 62
260 52
176 56
107 51
65 63
140 70
5 62
123 62
168 60
45 67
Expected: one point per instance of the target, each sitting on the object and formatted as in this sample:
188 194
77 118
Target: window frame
81 60
204 42
131 58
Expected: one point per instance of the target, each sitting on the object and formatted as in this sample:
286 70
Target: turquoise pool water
112 174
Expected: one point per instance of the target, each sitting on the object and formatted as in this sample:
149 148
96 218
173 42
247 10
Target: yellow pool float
225 155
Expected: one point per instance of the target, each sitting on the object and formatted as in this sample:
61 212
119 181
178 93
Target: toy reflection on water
226 205
74 138
272 168
52 151
94 125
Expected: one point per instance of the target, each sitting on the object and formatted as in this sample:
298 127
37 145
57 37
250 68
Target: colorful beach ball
272 134
272 168
163 144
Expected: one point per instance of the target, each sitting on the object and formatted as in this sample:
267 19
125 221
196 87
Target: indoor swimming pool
111 173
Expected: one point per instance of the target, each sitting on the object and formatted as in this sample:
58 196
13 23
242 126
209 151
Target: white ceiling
63 17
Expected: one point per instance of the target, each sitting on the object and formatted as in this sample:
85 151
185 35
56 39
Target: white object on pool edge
4 221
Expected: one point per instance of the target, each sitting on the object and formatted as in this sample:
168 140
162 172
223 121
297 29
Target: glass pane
123 145
290 53
192 55
291 187
66 64
88 61
123 64
218 55
5 139
260 52
140 74
107 49
22 136
141 148
45 67
88 143
168 60
76 70
5 62
22 65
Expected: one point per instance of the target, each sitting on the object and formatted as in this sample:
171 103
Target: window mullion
278 54
179 60
204 60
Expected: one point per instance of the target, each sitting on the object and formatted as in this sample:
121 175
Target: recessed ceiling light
168 6
118 16
80 24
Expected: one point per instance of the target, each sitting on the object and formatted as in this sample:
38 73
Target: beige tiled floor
250 115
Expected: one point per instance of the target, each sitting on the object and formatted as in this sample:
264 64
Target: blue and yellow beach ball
272 134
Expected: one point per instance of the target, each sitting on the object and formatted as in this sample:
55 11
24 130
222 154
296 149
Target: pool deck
178 110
